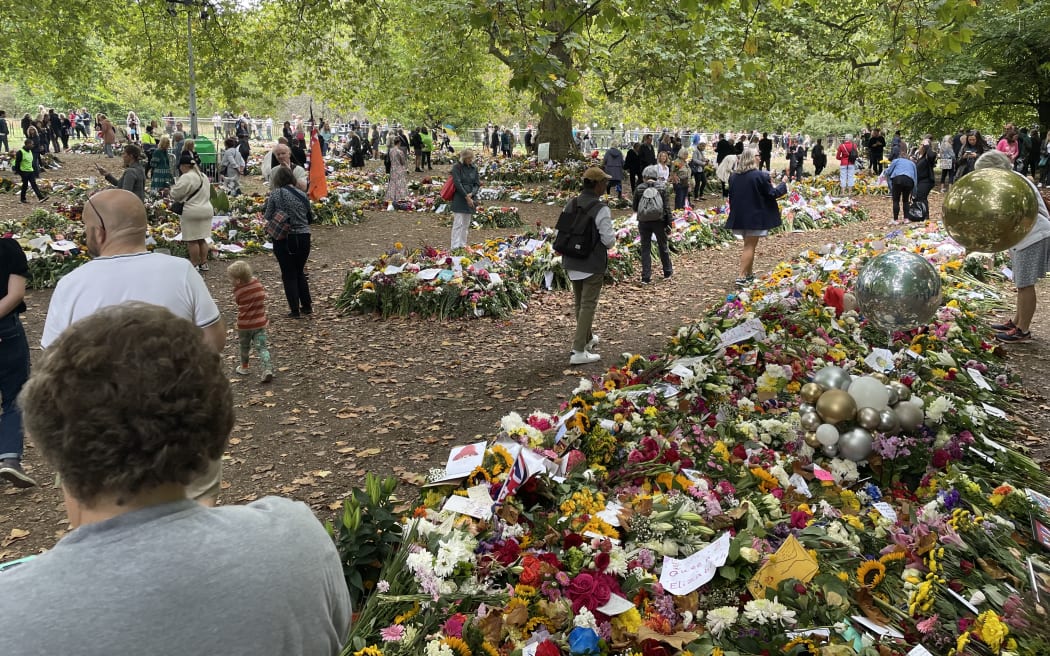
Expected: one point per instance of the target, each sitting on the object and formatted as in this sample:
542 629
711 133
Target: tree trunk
556 130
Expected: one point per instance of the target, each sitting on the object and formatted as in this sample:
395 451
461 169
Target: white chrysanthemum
720 619
745 405
935 409
617 562
438 648
420 563
585 618
511 422
844 471
585 386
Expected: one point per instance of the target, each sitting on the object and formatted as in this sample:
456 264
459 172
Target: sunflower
870 573
370 650
459 646
489 649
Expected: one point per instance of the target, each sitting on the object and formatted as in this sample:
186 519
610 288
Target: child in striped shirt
251 317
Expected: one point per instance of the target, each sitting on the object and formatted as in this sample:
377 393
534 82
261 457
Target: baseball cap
595 174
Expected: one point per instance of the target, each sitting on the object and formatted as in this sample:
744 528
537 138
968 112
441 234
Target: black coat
820 160
753 201
632 162
647 155
722 148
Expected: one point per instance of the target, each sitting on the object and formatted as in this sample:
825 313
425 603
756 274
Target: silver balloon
903 391
910 415
855 444
806 407
832 377
894 397
869 418
811 421
888 422
898 290
830 450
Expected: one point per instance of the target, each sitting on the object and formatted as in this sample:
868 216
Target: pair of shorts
1031 263
750 233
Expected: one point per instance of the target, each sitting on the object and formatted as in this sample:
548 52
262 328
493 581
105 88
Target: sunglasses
97 213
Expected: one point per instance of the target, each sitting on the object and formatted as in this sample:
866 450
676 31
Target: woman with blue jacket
753 209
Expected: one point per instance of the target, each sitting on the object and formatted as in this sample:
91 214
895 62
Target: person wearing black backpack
584 237
653 207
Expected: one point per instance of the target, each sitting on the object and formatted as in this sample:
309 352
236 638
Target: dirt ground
356 394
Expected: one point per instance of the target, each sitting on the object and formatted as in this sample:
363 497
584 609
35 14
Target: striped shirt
251 305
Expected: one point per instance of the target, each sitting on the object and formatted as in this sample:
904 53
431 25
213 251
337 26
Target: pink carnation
392 633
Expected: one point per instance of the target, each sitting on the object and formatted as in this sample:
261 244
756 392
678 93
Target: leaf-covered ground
356 394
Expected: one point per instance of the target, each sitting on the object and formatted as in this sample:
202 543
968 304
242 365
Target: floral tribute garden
784 477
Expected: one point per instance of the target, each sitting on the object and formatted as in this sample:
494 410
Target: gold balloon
836 405
811 392
990 210
881 377
811 440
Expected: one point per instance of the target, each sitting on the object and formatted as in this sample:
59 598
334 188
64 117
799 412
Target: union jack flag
519 473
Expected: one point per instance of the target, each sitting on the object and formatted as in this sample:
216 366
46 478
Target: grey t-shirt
182 579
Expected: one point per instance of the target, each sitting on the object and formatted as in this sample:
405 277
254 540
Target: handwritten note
978 378
463 459
467 506
682 576
886 510
823 474
752 328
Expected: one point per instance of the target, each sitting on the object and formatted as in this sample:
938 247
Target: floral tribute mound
494 278
685 504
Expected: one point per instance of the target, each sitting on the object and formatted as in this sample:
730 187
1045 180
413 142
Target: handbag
178 207
945 163
278 226
448 191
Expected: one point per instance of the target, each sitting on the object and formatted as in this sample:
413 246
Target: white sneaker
242 370
594 342
584 357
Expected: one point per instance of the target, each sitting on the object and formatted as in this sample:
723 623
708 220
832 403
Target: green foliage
368 535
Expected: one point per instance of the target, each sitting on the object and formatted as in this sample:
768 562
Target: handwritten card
822 474
682 576
464 459
468 506
752 328
791 561
978 379
880 360
1008 272
886 510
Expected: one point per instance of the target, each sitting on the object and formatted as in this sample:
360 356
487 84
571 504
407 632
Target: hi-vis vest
27 161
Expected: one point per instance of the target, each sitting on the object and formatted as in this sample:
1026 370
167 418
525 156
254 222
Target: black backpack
851 154
577 230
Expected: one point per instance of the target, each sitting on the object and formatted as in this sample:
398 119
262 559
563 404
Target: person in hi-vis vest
28 167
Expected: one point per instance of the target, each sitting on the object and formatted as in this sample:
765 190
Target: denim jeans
847 173
14 372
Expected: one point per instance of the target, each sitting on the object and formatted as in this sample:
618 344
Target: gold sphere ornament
811 392
990 210
881 377
836 405
812 441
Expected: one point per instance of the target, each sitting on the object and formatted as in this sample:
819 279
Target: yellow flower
489 649
398 246
370 650
526 591
628 622
721 450
916 348
991 630
871 573
409 614
459 646
854 521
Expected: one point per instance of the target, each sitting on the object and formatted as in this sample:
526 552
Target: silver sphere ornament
888 421
903 391
832 377
910 415
898 290
869 418
893 395
806 407
827 434
855 444
811 421
830 450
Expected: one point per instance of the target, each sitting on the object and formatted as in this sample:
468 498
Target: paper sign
1008 272
919 650
531 245
791 561
994 411
615 606
877 629
63 245
1038 499
682 576
745 331
880 360
392 270
611 515
800 484
886 510
962 600
978 379
464 459
468 506
683 371
833 265
823 474
428 274
543 152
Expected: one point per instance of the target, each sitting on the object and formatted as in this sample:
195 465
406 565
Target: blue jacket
901 166
613 163
753 201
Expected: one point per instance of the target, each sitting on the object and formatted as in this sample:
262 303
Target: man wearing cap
123 270
134 176
588 274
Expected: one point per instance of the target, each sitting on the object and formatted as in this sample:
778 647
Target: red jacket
842 155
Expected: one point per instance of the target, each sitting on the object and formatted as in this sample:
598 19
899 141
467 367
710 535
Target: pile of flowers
866 182
492 217
428 282
675 504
